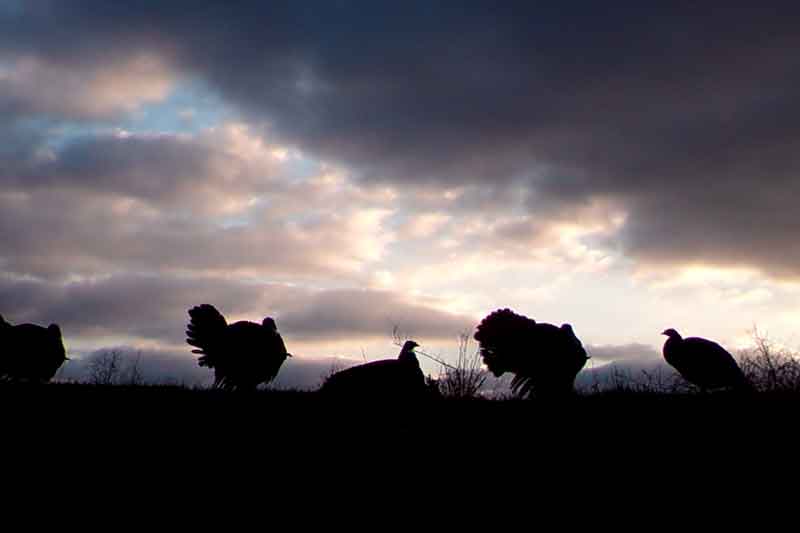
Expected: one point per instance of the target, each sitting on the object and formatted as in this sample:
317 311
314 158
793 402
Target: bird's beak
288 354
664 332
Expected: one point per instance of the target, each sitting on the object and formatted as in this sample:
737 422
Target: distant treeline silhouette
544 359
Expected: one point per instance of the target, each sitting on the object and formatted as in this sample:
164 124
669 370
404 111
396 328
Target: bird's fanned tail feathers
204 332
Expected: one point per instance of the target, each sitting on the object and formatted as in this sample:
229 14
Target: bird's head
409 346
407 353
55 340
574 341
671 333
269 323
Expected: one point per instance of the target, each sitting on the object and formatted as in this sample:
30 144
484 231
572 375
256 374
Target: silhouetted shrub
466 378
114 367
769 366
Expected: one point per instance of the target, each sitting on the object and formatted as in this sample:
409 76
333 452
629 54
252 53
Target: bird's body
703 362
243 354
544 358
389 378
29 352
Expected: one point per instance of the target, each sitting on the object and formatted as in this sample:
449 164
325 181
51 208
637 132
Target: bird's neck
672 349
408 356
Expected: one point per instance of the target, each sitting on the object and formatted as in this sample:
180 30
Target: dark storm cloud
137 306
197 172
151 168
331 314
683 113
155 307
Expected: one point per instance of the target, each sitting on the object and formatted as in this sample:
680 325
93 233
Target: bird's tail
204 331
502 336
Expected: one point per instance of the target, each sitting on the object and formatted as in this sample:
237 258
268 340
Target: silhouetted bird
243 354
29 352
703 362
543 358
388 378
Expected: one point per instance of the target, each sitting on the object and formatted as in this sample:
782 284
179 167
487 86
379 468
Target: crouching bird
545 359
29 352
243 354
388 378
703 362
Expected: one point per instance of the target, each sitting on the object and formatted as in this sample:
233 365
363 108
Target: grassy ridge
624 412
163 435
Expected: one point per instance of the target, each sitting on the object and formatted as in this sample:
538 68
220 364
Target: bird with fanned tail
545 359
703 362
243 354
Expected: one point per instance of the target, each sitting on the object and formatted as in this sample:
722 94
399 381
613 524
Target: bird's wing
711 350
366 376
717 359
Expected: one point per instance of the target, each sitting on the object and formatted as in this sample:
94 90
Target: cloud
84 236
30 86
153 309
570 105
215 171
625 354
488 155
371 313
220 201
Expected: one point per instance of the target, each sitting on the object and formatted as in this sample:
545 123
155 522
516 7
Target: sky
352 167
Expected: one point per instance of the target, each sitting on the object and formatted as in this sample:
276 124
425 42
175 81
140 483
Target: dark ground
598 422
162 442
